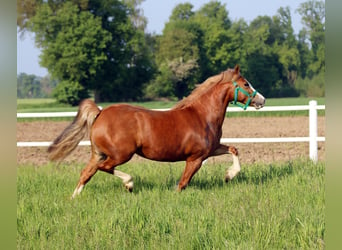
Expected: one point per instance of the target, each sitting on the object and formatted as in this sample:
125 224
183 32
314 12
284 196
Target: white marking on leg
77 191
234 169
126 179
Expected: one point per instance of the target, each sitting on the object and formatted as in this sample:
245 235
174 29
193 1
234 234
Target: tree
101 46
313 17
272 57
129 65
32 86
217 40
47 86
96 45
177 55
182 12
194 46
72 43
28 86
286 48
69 92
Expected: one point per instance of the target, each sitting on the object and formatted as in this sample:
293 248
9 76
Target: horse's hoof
129 186
230 175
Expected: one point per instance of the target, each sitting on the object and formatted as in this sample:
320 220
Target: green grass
293 101
34 101
274 206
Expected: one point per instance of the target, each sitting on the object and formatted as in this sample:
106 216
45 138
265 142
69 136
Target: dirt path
232 128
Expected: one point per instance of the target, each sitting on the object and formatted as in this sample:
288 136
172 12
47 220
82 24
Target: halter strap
236 93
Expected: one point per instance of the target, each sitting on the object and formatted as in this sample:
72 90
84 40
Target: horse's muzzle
258 101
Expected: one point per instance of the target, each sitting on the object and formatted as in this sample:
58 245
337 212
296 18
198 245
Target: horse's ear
237 69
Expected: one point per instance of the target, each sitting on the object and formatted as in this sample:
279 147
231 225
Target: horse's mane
204 87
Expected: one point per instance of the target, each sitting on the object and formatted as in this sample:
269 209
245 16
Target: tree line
101 48
32 86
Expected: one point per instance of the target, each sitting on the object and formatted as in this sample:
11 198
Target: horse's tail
68 140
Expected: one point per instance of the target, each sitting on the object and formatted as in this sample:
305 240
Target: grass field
275 206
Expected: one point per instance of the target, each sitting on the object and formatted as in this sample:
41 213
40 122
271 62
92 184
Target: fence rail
312 138
229 109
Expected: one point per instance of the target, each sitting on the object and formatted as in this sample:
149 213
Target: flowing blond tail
68 140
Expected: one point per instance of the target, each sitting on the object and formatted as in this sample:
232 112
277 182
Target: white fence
312 137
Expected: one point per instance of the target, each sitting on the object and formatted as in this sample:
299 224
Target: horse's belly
170 147
162 153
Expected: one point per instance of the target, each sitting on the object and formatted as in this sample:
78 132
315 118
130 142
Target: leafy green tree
102 46
69 92
217 41
178 54
272 55
129 63
32 86
162 85
47 86
313 17
286 48
28 86
261 64
99 45
195 45
72 43
182 12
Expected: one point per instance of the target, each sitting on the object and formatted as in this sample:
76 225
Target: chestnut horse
190 131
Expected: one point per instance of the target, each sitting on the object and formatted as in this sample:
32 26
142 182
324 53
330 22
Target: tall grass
275 206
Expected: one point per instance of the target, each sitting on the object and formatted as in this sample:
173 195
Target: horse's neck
214 104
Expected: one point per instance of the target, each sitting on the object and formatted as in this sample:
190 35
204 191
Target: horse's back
129 122
117 118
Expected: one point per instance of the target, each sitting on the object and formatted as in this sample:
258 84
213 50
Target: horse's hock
232 128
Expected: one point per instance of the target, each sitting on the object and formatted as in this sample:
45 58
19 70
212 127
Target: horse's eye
246 84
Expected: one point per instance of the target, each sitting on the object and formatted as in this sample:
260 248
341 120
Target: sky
157 13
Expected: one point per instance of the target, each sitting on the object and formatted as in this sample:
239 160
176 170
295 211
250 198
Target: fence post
313 130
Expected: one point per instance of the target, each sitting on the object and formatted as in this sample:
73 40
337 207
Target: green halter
236 93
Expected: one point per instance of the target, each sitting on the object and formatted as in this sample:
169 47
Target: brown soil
232 128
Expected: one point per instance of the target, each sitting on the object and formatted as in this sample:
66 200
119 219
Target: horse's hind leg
86 175
235 168
109 166
126 179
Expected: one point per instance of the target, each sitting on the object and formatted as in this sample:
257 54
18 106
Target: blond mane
204 87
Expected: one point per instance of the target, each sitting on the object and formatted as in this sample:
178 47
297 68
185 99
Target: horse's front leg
191 167
235 168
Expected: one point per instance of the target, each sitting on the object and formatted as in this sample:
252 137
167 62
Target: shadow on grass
265 174
256 175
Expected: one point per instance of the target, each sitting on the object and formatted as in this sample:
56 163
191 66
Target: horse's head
244 92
